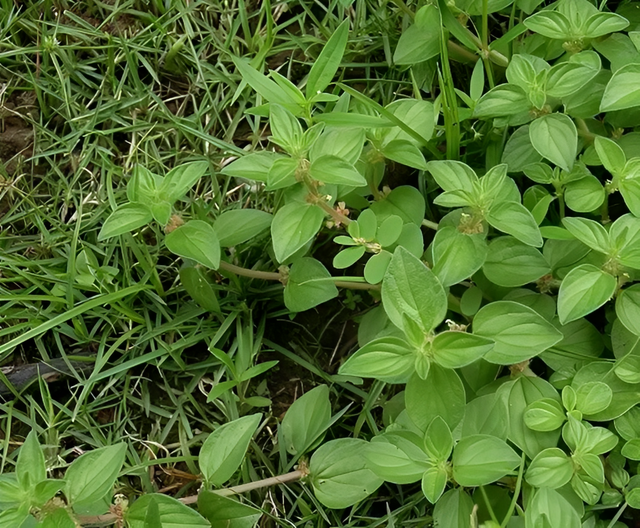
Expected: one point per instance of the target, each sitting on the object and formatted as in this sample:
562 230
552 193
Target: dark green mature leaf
224 512
487 415
549 508
453 510
306 420
503 100
309 284
60 518
386 358
30 467
236 226
421 41
326 65
440 394
293 226
404 201
482 459
511 263
339 473
92 476
583 291
125 218
196 240
410 288
172 513
198 286
224 449
391 463
519 332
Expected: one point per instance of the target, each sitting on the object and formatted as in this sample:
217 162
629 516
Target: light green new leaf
339 473
479 460
306 420
196 240
555 137
515 219
584 290
438 441
326 65
125 218
180 179
593 397
519 332
584 195
30 467
611 154
224 449
387 358
236 226
92 476
551 468
546 414
589 232
293 226
410 288
434 481
141 188
254 166
308 285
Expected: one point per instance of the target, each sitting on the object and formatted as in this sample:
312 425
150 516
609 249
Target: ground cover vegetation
346 263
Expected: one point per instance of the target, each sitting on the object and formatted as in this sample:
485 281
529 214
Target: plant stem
488 504
337 217
516 494
110 518
618 515
430 224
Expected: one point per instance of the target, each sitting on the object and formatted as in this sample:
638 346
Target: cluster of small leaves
525 247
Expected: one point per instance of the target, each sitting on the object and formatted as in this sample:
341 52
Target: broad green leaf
30 466
267 88
555 137
628 425
161 212
285 129
225 512
293 226
152 518
223 451
440 394
546 414
254 166
593 397
180 179
479 460
125 218
457 256
236 226
511 263
172 513
519 153
551 468
417 114
458 349
348 257
523 392
306 420
308 285
377 266
326 65
438 441
487 415
611 154
502 101
60 518
141 188
453 175
516 220
630 191
453 510
332 169
386 358
339 473
518 331
434 481
550 24
392 464
584 290
410 288
631 449
628 308
568 77
589 232
584 195
195 240
600 24
199 288
404 201
405 152
420 41
623 89
549 509
345 143
17 518
92 476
